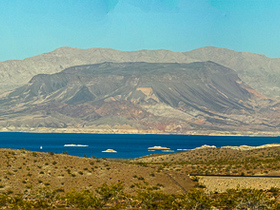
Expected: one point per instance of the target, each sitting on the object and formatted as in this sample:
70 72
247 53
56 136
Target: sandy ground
220 184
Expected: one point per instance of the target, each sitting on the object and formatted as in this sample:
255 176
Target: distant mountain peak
259 71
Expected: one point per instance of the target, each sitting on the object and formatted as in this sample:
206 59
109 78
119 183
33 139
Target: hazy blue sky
31 27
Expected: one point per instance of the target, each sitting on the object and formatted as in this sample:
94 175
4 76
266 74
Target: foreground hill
146 97
23 171
258 71
208 160
33 180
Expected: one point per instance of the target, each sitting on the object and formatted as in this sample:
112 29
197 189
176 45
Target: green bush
83 200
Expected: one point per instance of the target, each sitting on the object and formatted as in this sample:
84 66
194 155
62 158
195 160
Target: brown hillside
25 171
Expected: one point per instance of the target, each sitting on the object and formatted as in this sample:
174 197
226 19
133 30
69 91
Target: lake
126 145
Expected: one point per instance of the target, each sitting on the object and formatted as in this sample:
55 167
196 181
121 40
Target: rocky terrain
258 71
23 171
146 97
50 180
14 73
209 91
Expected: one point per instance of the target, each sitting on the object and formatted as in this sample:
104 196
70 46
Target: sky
32 27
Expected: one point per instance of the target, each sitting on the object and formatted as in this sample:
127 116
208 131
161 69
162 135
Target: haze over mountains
258 71
208 90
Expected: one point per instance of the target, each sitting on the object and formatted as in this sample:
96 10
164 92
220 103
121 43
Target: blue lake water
126 145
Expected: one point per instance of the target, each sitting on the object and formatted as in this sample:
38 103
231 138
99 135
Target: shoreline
140 132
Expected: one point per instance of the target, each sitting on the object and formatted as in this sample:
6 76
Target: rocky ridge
158 97
258 71
168 93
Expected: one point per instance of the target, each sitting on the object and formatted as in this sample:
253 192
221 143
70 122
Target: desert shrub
114 191
149 199
252 199
83 200
274 190
4 200
18 202
197 199
200 185
160 168
46 193
59 190
41 204
242 199
158 185
44 198
195 178
112 194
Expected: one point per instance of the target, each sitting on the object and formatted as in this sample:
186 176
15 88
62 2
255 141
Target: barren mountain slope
260 72
15 73
165 97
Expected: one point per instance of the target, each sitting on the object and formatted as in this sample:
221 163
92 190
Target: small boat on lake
109 150
157 147
75 145
167 150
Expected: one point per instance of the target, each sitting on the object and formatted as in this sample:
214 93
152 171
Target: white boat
109 150
75 145
167 150
158 147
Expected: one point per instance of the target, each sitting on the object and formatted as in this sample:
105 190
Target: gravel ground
220 184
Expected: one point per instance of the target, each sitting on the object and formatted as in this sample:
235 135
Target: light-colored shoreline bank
135 131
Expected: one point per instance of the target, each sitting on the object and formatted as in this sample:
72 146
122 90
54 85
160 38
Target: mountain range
204 91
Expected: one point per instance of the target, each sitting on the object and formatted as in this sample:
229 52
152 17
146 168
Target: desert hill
14 73
163 97
23 171
258 71
204 91
34 180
